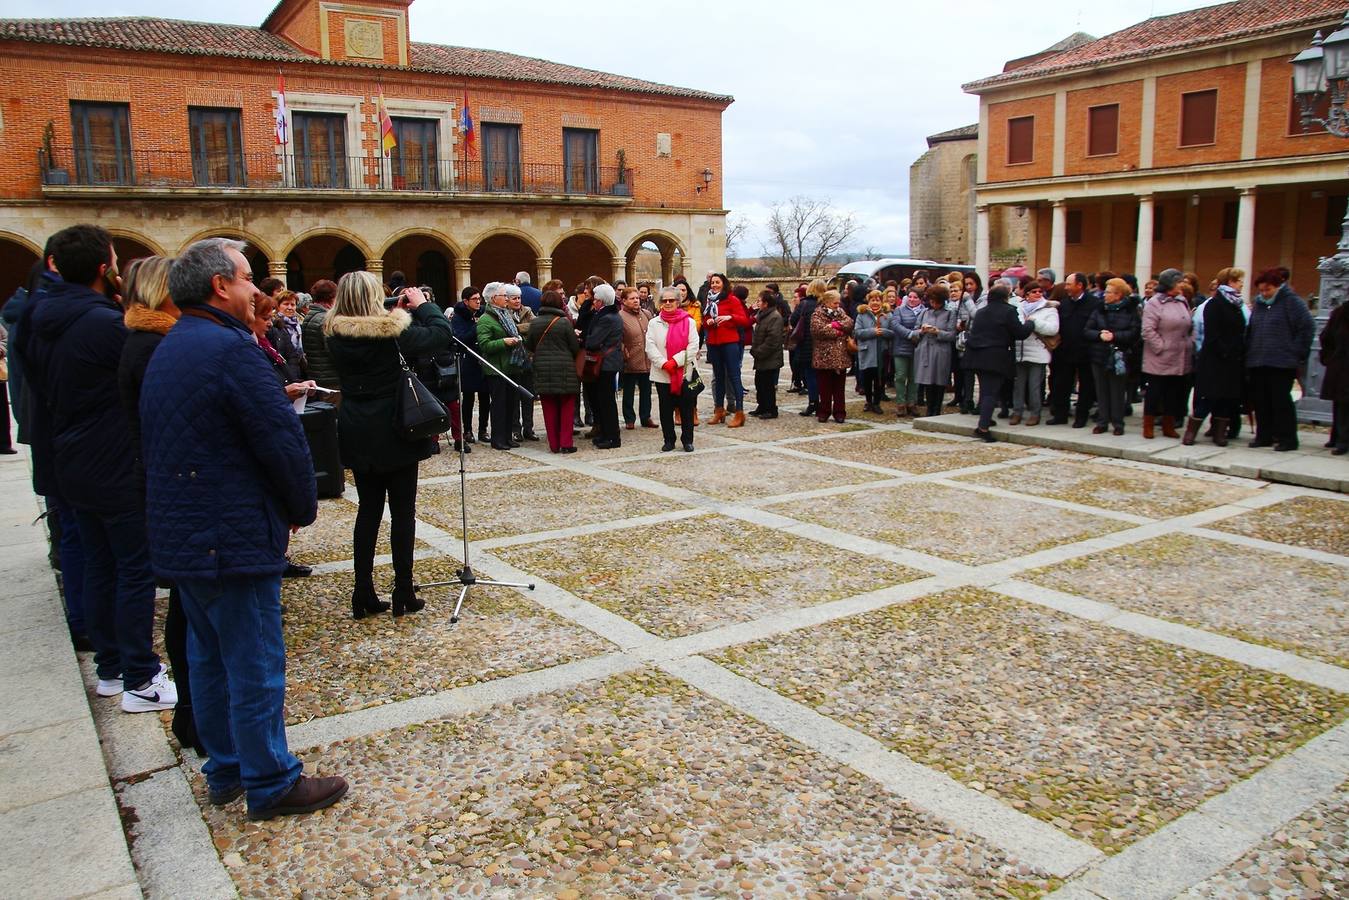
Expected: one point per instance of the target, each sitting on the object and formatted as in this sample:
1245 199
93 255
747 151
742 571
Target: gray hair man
529 295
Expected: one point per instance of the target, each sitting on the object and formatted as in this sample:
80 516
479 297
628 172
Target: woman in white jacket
672 348
1032 356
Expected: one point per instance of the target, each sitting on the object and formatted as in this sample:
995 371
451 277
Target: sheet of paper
299 403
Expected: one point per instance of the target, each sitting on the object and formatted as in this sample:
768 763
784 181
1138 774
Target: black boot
405 601
185 729
808 411
365 603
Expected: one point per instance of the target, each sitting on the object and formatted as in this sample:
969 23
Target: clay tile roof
245 42
963 133
1192 30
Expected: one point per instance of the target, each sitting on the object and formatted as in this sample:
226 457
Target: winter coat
136 353
634 340
316 349
284 344
18 393
1046 322
656 334
829 345
465 327
729 332
227 467
805 311
554 353
872 333
74 350
993 333
1335 356
1073 317
903 321
365 353
769 337
1280 333
606 334
1220 367
1121 321
35 420
531 297
1167 348
932 355
492 344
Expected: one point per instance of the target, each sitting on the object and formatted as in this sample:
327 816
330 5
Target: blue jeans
812 386
237 657
119 593
727 390
71 552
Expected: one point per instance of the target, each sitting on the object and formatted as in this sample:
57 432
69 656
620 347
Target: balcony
65 171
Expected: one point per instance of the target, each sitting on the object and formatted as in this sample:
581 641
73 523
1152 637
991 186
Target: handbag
693 384
1051 341
418 415
588 364
798 334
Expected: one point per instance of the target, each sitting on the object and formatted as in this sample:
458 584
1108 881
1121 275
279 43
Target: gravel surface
1143 492
329 538
482 459
1104 735
1313 522
709 571
910 453
1307 858
957 525
787 425
337 664
1254 595
636 787
745 474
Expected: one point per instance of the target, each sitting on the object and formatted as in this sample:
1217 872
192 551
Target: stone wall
941 202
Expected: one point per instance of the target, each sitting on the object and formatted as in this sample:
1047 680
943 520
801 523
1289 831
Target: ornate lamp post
1321 71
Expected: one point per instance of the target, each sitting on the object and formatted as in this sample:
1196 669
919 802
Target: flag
282 126
386 135
466 126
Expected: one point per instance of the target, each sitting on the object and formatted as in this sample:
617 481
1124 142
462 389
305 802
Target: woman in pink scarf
672 348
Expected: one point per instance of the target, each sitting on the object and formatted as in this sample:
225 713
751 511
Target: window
1229 232
581 159
320 141
414 160
1103 130
1320 111
102 139
501 157
1198 118
217 146
1335 207
1073 231
1020 140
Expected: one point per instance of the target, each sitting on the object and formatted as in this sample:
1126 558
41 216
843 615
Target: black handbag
418 415
693 384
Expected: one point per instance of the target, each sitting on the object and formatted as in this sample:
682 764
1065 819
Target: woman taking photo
989 352
1168 355
724 315
471 382
936 340
365 341
829 331
1112 329
672 349
553 342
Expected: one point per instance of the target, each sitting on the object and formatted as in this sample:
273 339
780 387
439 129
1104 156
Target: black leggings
1167 395
400 485
872 385
932 394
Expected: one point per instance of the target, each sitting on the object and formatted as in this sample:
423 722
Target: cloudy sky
832 101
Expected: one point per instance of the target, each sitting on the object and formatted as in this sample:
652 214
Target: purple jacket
1167 348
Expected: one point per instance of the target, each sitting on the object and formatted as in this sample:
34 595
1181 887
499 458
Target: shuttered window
1020 140
102 133
414 160
320 149
217 146
581 159
1103 130
501 157
1198 118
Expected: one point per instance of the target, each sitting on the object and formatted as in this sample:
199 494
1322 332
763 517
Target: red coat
729 332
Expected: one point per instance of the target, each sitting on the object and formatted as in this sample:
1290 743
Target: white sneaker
158 693
110 688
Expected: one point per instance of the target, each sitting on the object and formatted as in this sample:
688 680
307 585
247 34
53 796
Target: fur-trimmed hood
390 325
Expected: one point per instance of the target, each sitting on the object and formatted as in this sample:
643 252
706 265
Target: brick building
1182 129
164 132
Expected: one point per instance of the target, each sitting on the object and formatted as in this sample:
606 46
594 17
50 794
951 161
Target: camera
391 302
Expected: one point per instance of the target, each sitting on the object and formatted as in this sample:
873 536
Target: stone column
1143 252
1058 239
276 268
1243 256
983 255
463 275
620 268
544 264
375 267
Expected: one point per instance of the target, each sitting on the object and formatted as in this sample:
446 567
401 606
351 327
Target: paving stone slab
910 452
1317 523
28 753
52 699
70 846
745 474
329 538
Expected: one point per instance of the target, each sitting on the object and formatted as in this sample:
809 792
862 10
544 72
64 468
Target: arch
16 238
350 237
426 257
237 234
416 230
499 256
590 233
657 236
505 231
322 253
17 255
129 248
580 255
128 236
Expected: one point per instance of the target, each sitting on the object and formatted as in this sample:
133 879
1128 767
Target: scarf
518 357
711 306
676 341
1030 309
267 348
142 318
1230 294
1260 298
291 325
913 301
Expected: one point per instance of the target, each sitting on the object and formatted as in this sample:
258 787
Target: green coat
316 349
365 356
492 345
554 355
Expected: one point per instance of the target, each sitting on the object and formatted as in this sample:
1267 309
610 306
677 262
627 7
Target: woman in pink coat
1168 355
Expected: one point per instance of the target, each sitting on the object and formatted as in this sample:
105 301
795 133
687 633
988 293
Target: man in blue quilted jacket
228 477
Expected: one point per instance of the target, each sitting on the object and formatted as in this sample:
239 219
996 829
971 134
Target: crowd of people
161 402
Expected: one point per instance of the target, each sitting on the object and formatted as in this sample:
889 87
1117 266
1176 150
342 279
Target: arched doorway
423 260
578 257
15 261
128 249
321 256
655 256
499 257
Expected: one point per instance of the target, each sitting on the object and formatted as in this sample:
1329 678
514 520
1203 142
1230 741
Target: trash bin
320 429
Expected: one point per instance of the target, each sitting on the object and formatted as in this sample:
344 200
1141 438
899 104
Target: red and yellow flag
386 135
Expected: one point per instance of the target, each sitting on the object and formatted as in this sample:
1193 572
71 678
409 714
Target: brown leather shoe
1033 420
1015 419
737 419
647 423
718 416
1169 427
678 419
306 796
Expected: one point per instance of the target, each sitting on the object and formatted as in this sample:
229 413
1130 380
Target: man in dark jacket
1278 342
800 318
228 476
1070 365
606 336
72 347
529 295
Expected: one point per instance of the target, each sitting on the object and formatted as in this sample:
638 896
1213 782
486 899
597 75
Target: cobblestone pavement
809 660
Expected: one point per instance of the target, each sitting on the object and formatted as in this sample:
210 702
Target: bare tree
736 226
803 232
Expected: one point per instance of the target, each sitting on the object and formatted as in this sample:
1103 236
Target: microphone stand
465 578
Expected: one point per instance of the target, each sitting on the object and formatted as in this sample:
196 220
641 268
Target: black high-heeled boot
185 729
366 603
405 601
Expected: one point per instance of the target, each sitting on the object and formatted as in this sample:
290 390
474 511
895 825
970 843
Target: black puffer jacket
606 333
993 335
552 340
1120 320
316 349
